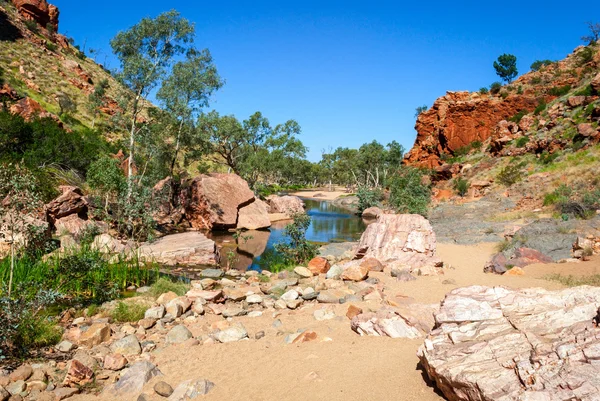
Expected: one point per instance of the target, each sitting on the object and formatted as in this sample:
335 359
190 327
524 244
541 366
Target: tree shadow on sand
8 32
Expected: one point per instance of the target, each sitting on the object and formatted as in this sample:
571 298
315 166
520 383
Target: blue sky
348 72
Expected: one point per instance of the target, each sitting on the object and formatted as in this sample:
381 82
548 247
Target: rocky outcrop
401 239
254 216
411 321
214 201
288 205
189 248
458 119
39 11
29 109
502 344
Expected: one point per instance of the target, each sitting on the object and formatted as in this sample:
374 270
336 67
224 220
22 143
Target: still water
329 223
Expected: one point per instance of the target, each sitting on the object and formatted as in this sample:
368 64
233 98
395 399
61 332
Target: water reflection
328 224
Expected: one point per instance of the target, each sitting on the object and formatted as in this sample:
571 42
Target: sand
321 194
340 365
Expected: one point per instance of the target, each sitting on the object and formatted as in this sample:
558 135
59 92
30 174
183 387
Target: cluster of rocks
584 247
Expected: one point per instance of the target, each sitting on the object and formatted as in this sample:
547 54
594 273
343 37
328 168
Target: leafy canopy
506 67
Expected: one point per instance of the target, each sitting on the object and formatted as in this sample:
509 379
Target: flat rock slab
502 344
189 248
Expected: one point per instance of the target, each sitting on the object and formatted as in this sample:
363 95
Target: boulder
127 346
178 334
576 101
114 362
72 225
586 129
191 389
231 334
401 238
71 201
96 334
78 374
521 257
503 344
372 264
412 321
29 109
371 212
288 205
134 378
318 265
188 248
213 201
254 216
355 271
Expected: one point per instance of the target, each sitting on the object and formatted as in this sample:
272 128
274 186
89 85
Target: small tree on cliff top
506 67
594 35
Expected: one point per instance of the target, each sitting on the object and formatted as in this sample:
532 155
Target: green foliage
517 117
128 312
547 158
273 261
32 26
132 216
559 91
574 281
461 186
540 107
164 284
297 249
506 67
504 94
568 202
522 141
408 192
536 65
510 175
51 46
585 55
495 87
585 91
368 197
420 110
483 90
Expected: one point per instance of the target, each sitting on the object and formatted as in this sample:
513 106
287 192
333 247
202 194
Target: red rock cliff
39 11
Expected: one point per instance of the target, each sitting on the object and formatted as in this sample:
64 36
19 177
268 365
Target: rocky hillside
42 73
553 108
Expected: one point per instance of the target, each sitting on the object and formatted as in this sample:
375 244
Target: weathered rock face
254 216
288 205
411 321
29 109
214 200
189 248
39 11
406 239
459 118
501 344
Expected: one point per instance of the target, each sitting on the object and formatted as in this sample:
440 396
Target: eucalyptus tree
186 91
146 52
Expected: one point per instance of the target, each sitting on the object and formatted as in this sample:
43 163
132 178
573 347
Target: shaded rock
23 372
595 83
163 389
254 216
371 212
530 344
191 389
372 264
403 238
188 248
212 273
134 378
318 265
64 393
586 129
65 346
16 387
497 264
72 225
331 296
402 274
353 311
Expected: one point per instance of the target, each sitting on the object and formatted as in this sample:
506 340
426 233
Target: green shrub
517 117
163 285
128 312
586 91
504 94
559 91
408 192
495 87
51 46
585 55
32 26
536 65
296 248
522 141
547 158
570 203
535 80
461 186
484 90
509 175
540 107
520 90
476 144
558 196
368 197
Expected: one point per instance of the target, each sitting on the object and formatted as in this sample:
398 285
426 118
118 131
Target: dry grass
572 281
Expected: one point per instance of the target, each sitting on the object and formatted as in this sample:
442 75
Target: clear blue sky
348 72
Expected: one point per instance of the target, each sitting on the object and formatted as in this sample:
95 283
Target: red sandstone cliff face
39 11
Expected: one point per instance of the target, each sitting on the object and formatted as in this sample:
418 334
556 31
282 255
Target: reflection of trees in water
322 230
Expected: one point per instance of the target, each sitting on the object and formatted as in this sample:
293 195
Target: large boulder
254 216
288 205
188 248
214 200
71 201
503 344
402 239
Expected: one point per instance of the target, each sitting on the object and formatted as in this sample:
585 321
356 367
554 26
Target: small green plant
535 80
368 197
128 312
585 55
232 258
420 110
517 117
484 90
297 249
51 46
509 175
495 87
547 158
585 91
504 94
32 26
540 107
573 281
163 285
538 64
559 91
522 141
519 90
461 186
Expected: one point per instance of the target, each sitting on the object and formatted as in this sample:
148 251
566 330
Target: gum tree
506 67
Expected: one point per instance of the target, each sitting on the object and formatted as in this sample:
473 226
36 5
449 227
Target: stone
303 272
191 389
128 345
16 387
308 294
515 271
403 238
155 313
65 346
402 273
188 248
595 83
23 372
212 273
254 216
293 304
335 271
115 362
72 225
85 358
324 314
353 311
71 201
233 311
163 389
78 374
147 323
290 295
413 321
254 299
214 200
528 344
331 296
64 393
231 334
174 309
372 264
96 334
586 129
4 394
166 297
133 379
371 212
288 205
318 265
208 296
259 335
304 337
354 271
575 101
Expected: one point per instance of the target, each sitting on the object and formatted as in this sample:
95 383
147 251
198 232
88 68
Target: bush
522 141
32 26
368 197
408 192
461 186
586 91
495 87
297 249
559 91
540 107
51 46
420 109
547 158
535 80
517 117
536 65
570 203
585 55
128 312
163 285
509 175
484 90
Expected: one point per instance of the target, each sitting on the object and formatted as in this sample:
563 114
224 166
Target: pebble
163 389
65 346
324 314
